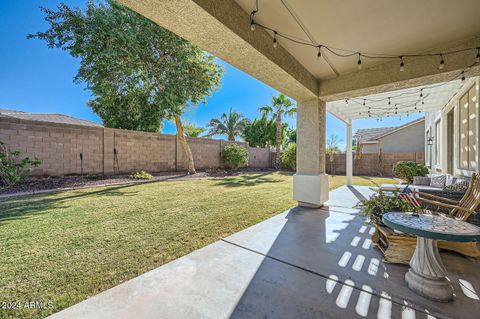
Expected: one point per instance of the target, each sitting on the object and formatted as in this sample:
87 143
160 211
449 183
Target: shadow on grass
248 180
26 206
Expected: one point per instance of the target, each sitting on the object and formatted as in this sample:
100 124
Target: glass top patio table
433 226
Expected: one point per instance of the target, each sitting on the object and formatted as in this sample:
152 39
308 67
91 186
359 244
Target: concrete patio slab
304 263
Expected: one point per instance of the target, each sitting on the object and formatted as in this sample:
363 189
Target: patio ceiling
402 102
389 27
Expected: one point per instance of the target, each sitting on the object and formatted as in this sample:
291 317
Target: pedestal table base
426 276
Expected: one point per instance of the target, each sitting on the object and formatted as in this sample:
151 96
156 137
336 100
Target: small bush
141 175
13 170
289 156
235 156
406 170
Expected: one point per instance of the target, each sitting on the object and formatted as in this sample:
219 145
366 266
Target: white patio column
349 157
310 183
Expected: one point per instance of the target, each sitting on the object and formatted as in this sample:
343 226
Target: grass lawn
62 248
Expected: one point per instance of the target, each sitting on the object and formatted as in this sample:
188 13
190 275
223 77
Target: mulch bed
37 185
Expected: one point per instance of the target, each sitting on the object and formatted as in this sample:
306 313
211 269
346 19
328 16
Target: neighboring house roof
47 117
372 135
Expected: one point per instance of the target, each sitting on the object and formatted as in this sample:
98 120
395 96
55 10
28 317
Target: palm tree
281 105
231 125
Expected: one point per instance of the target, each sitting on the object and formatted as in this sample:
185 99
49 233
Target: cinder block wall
109 151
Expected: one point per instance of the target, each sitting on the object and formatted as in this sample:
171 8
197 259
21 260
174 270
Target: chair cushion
438 181
460 186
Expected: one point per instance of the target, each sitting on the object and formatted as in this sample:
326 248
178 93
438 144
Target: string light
347 53
389 101
252 18
463 76
442 62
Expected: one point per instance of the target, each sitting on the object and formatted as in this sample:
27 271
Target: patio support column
310 183
349 158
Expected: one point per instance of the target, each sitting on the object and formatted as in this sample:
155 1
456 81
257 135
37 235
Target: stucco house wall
408 139
441 117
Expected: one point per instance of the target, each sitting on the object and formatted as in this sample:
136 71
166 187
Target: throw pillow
460 186
438 181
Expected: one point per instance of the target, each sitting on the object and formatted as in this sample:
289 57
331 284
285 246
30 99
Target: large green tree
281 106
231 124
138 72
262 132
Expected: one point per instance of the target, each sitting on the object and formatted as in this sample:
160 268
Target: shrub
13 170
289 156
381 203
235 156
141 175
406 170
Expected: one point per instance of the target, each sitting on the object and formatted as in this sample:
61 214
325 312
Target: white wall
432 117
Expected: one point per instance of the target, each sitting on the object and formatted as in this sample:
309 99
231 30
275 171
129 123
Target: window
437 143
468 130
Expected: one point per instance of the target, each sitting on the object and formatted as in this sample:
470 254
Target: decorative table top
432 226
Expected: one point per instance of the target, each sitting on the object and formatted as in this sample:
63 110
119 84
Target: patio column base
427 274
310 190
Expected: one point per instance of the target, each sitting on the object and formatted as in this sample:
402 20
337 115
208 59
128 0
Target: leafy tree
333 142
281 106
332 148
191 130
138 72
261 132
291 136
231 125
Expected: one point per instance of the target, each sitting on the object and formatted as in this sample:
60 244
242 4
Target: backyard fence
72 149
371 164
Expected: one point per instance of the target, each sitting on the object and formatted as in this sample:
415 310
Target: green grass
62 248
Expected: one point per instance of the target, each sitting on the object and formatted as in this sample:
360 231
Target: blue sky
35 78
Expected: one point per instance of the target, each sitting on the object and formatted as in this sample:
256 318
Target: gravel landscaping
45 184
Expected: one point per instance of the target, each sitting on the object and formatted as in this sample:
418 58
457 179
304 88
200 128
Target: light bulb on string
346 101
402 65
463 75
275 43
363 102
442 62
252 21
421 93
319 53
477 58
389 103
359 62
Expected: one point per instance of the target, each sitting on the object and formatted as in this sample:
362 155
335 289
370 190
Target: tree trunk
278 140
186 149
231 137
